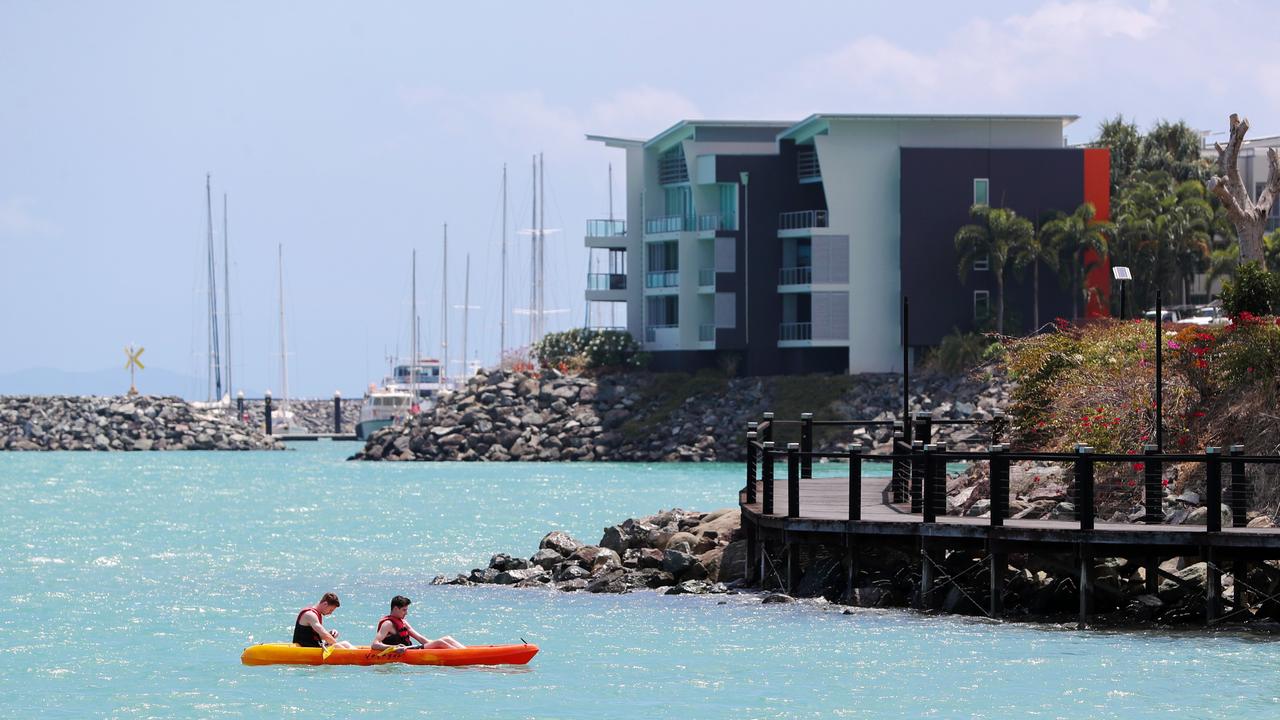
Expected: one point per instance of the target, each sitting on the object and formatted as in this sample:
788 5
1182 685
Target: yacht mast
215 365
502 315
226 292
444 309
533 262
466 316
542 248
413 329
284 348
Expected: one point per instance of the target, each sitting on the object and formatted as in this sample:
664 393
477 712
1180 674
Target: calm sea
129 584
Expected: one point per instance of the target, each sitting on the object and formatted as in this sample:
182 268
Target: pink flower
1173 345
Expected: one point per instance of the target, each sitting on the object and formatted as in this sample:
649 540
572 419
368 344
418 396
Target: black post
806 445
751 467
766 479
1084 486
266 402
998 422
1122 317
1213 488
1159 373
337 413
918 473
927 507
939 497
793 480
768 427
999 485
240 406
906 373
901 469
855 483
924 427
1152 486
1239 490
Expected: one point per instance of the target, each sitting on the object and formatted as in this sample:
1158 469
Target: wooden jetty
786 514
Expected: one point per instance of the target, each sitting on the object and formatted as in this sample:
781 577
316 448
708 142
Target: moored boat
291 654
381 407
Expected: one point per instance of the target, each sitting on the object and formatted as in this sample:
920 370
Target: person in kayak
394 632
309 629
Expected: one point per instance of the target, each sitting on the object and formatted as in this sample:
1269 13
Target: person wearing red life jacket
309 629
394 632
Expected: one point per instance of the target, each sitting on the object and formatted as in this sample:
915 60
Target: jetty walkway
786 512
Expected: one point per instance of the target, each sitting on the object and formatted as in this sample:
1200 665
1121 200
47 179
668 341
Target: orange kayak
290 654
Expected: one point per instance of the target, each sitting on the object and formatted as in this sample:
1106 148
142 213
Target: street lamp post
1122 275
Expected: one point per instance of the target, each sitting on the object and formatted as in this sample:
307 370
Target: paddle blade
387 651
328 649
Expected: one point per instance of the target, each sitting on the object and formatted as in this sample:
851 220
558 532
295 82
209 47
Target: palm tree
1034 251
1075 235
994 235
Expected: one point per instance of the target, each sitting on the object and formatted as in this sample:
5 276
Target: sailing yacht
283 421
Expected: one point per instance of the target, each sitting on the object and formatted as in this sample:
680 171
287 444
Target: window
662 311
679 203
671 166
728 206
982 263
981 305
981 191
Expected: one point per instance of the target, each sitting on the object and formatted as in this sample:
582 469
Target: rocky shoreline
679 552
138 423
511 416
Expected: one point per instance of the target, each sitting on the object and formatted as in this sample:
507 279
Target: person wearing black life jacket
394 632
309 629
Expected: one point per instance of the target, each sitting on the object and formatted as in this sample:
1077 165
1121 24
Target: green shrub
958 353
585 348
1254 290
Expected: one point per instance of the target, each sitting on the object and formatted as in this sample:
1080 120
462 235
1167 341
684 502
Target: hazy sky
351 132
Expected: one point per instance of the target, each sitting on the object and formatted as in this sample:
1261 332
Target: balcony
706 333
606 281
707 278
807 167
662 337
800 222
662 279
606 228
712 223
665 224
791 332
795 275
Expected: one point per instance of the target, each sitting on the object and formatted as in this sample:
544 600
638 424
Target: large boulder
733 562
561 542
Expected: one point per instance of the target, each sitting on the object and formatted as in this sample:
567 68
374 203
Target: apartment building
786 247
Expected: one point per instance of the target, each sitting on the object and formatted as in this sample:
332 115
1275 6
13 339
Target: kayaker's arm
309 619
384 629
417 635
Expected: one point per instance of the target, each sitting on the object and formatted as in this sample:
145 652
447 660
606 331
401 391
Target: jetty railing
919 472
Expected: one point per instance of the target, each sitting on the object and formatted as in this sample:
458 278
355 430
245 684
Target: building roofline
800 127
690 124
616 141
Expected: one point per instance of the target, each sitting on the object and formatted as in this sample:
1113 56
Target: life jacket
305 635
399 634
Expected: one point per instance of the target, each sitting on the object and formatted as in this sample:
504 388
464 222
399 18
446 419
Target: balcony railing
802 219
665 224
807 164
706 333
710 222
606 281
662 279
795 331
606 228
707 277
651 331
795 276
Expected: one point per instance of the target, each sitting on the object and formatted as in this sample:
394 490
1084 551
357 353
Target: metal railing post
1152 486
924 427
806 445
1084 486
751 467
1213 488
766 479
266 403
768 427
999 485
337 413
918 474
855 483
793 480
928 508
901 469
1239 490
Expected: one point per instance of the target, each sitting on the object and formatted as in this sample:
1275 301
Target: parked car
1207 315
1166 315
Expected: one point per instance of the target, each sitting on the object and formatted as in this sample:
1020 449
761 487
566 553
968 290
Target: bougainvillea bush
586 349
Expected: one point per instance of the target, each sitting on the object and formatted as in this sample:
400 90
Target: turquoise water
131 582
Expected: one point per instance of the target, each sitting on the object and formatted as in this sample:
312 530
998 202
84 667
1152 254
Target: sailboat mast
502 316
542 248
413 329
444 308
284 347
215 366
466 316
226 291
533 261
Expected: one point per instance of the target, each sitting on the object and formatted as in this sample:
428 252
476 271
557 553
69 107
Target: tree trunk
1000 302
1035 295
1248 217
1075 294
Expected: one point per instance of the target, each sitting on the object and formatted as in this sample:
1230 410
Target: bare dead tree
1249 217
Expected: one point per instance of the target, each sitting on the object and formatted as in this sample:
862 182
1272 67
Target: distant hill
114 381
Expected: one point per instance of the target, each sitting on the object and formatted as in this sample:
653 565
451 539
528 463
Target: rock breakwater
120 423
678 551
664 417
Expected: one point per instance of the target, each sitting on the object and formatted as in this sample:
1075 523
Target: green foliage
585 348
995 234
1254 291
1123 140
1162 233
664 393
959 353
1173 148
1072 236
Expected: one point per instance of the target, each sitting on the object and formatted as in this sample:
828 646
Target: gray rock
546 558
560 542
511 577
774 598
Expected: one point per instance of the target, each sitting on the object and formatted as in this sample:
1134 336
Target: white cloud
18 221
